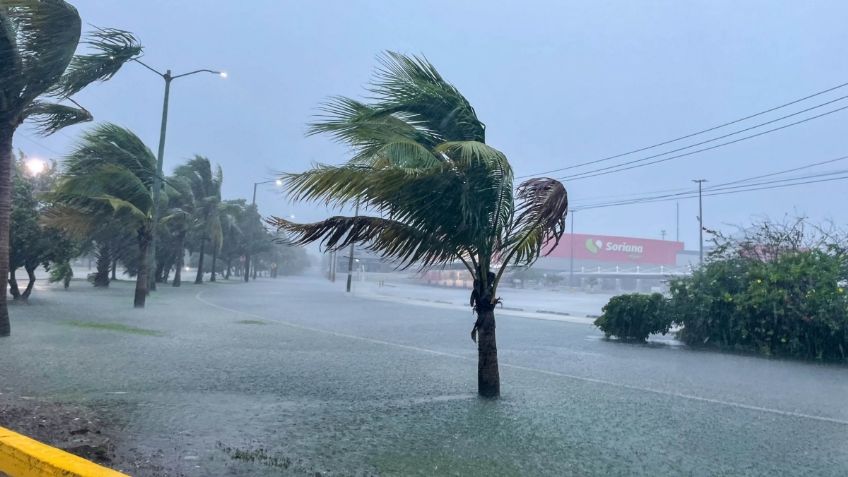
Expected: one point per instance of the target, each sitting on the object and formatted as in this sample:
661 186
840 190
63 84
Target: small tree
31 243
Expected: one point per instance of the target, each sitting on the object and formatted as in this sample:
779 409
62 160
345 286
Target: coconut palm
438 192
108 179
38 41
179 219
205 183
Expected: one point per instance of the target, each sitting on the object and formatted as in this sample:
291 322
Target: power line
715 189
644 194
663 143
719 192
37 144
638 163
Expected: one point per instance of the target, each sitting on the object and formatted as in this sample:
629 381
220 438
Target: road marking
691 397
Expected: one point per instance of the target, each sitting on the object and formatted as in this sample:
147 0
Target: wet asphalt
295 377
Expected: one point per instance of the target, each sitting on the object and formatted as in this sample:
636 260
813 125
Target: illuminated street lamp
35 166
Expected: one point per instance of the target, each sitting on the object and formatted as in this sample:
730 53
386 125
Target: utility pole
350 259
662 234
571 242
677 217
700 219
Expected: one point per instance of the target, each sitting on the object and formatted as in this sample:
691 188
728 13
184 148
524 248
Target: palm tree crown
420 160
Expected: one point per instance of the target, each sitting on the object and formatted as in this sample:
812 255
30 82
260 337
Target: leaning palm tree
205 183
438 192
38 39
108 179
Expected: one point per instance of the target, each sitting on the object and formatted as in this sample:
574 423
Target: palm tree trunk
199 278
227 273
114 269
214 262
178 269
13 285
488 377
142 280
31 275
104 264
6 131
247 267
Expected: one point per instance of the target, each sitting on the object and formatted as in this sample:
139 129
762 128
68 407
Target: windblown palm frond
51 117
37 41
111 49
542 208
107 178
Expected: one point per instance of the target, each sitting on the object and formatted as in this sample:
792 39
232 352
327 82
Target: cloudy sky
557 84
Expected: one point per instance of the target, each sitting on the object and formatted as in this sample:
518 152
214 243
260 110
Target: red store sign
604 248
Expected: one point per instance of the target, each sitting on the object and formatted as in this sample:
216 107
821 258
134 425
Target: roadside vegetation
777 289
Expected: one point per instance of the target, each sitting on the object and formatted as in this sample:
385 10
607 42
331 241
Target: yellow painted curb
21 456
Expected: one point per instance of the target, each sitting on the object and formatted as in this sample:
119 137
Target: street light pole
253 204
700 219
160 158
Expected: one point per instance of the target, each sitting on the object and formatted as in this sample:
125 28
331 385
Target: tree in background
109 177
205 184
421 161
38 41
31 243
178 220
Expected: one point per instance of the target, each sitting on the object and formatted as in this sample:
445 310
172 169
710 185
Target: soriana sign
604 248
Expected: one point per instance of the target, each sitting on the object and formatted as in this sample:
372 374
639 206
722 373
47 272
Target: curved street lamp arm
149 67
214 72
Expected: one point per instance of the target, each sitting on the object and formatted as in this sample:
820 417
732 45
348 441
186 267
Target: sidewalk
575 307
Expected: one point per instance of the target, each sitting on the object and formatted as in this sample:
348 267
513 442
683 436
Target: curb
21 456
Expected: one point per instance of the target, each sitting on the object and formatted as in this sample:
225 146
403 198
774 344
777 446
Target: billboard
619 250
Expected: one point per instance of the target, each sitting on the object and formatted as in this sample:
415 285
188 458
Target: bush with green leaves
779 290
793 305
635 316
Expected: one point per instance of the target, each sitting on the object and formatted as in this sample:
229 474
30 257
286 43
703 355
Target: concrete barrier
21 456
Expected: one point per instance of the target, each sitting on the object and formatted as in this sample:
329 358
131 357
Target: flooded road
294 377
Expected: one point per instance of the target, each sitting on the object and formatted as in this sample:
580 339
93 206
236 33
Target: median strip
21 456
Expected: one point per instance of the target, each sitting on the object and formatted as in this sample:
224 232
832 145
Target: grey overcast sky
557 83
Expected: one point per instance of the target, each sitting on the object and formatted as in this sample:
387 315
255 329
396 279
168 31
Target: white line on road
540 371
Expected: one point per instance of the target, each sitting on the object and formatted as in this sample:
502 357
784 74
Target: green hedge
791 304
635 316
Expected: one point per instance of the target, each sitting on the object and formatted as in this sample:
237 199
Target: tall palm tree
205 183
420 159
38 39
233 236
108 177
179 219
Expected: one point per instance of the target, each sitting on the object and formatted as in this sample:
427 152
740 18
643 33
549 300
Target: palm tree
420 159
108 177
179 220
233 236
38 39
206 187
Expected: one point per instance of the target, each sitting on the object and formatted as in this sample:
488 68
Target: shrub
791 305
634 316
778 290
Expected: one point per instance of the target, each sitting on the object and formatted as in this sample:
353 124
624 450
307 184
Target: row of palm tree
104 197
